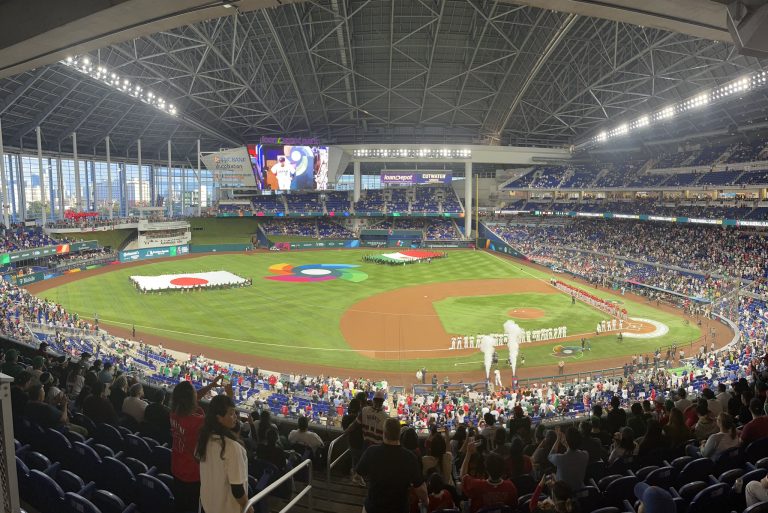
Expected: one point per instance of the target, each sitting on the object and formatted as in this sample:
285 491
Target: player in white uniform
284 172
453 342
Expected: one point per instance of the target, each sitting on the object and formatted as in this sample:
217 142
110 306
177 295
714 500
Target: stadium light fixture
413 153
738 87
103 75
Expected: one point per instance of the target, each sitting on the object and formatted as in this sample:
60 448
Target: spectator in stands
637 420
20 393
706 425
724 439
11 366
757 427
624 447
572 464
356 444
438 460
493 491
372 419
653 442
439 497
560 500
683 402
265 423
223 460
36 369
302 436
106 375
187 418
714 405
723 396
75 380
590 443
516 462
675 430
617 417
756 491
134 405
97 406
489 431
118 392
540 457
391 471
271 451
157 418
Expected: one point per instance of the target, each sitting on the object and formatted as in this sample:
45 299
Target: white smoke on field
487 347
515 335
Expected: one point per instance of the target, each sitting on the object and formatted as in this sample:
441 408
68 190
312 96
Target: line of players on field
473 342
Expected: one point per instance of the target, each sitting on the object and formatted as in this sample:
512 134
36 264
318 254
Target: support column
358 182
468 199
60 181
199 183
141 185
123 189
52 188
151 181
110 202
78 192
90 186
170 183
22 192
12 189
40 169
3 180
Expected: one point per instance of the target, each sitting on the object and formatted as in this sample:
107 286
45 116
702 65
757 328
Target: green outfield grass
114 239
223 230
300 321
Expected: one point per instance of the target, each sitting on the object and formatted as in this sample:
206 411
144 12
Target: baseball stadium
390 255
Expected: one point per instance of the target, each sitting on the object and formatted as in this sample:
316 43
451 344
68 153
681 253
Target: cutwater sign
145 254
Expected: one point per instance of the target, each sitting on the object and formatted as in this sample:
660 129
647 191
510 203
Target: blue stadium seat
136 466
86 422
116 477
619 490
713 499
86 461
110 503
69 481
138 448
643 472
696 470
760 507
45 495
22 474
110 436
729 459
757 450
152 495
730 476
161 458
689 490
74 503
36 461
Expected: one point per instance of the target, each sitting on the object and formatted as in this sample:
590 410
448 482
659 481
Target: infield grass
300 321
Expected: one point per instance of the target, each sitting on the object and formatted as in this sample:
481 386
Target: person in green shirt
11 366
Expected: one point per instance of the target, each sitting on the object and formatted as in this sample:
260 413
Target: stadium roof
386 71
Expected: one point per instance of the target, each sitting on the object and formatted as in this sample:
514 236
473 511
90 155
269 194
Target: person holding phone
187 418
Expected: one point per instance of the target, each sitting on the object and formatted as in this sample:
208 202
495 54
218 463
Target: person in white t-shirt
223 460
303 436
134 405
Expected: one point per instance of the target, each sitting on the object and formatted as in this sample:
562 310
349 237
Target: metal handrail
288 475
332 463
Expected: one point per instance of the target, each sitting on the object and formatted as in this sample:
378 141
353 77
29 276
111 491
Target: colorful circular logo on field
567 351
316 272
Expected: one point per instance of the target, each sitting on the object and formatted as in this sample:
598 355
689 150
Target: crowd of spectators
19 237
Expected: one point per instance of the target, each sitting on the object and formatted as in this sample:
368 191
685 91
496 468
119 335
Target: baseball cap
654 499
379 395
11 354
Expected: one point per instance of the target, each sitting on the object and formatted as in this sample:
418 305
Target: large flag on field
410 255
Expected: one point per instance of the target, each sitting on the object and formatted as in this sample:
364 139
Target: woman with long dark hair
516 462
223 460
186 419
438 460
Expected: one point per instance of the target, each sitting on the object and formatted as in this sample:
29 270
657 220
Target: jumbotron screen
289 168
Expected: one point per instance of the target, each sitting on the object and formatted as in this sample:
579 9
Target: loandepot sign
230 167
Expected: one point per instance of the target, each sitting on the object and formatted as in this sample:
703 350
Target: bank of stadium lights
739 86
102 74
412 153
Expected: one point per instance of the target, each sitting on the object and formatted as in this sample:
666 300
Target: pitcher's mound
526 313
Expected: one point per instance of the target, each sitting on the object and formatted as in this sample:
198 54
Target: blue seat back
45 494
107 502
713 499
69 481
87 462
660 477
696 470
152 495
116 477
78 504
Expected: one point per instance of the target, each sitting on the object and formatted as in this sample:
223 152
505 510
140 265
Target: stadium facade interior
179 165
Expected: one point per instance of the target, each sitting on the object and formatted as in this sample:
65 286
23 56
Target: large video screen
289 168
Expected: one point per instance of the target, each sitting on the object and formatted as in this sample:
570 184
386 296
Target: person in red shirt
493 491
757 427
187 417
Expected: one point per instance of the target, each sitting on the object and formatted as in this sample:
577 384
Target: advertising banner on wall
145 254
230 167
415 178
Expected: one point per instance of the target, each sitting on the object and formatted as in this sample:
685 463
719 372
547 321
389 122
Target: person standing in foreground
391 470
187 419
223 460
493 491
